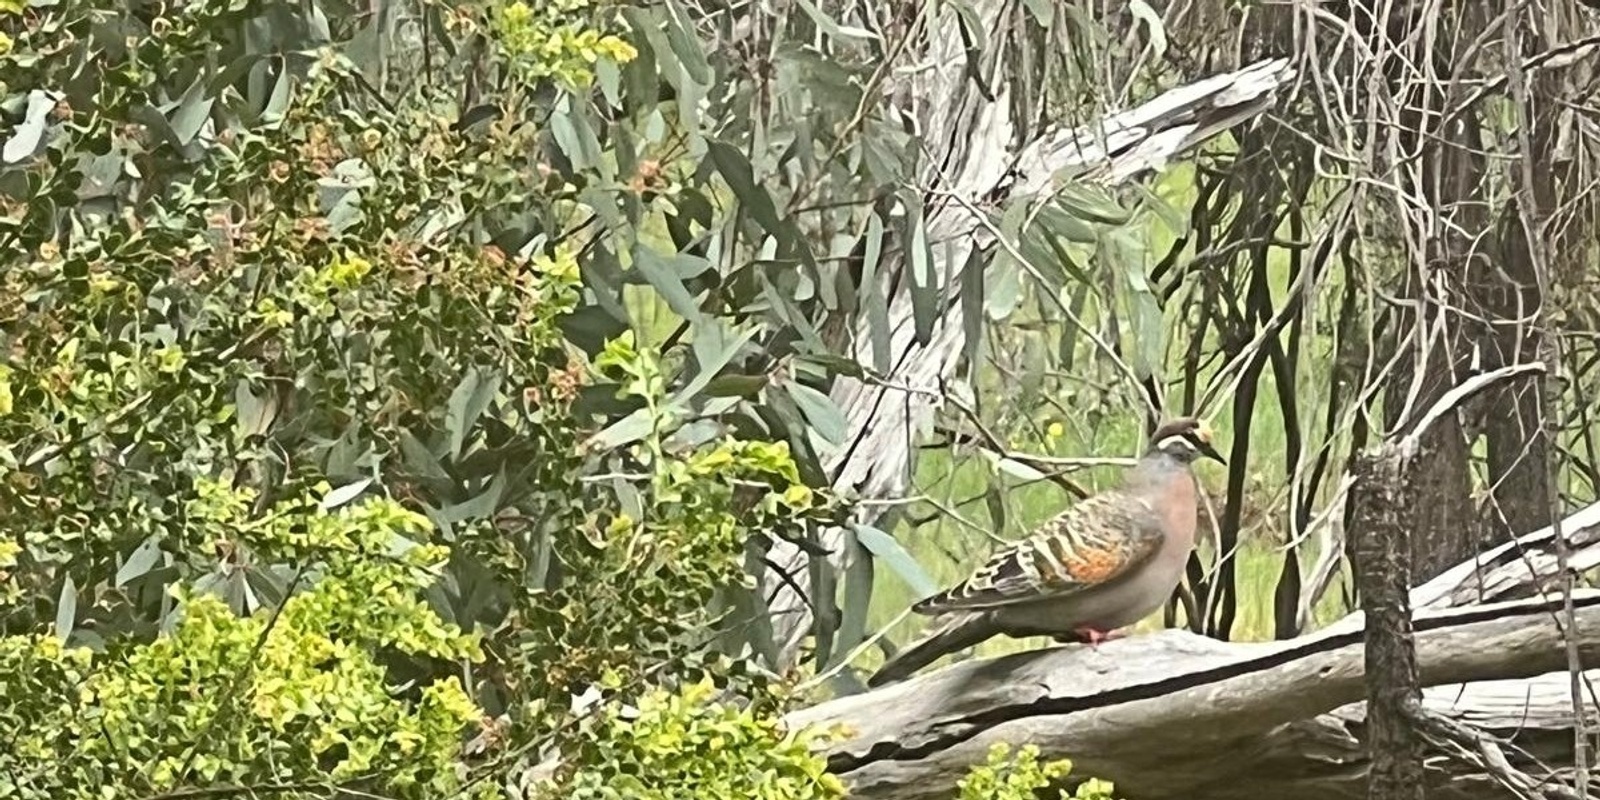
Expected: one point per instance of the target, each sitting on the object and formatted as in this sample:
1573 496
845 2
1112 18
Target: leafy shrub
685 744
295 449
293 697
1005 775
327 457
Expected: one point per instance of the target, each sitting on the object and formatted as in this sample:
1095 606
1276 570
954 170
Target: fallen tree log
1177 715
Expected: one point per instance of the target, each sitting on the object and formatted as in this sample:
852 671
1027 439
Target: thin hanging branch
886 415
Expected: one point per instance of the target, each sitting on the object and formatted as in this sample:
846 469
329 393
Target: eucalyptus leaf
972 306
609 77
277 103
825 613
1003 289
924 285
665 279
468 401
344 494
254 414
973 29
1175 220
1090 203
29 133
1043 12
1126 255
66 610
1012 467
831 27
481 506
573 131
837 364
419 458
193 111
855 597
140 561
820 410
1066 224
884 548
628 498
627 430
715 344
873 296
736 170
686 45
734 386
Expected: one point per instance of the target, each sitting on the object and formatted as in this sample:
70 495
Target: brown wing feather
1094 541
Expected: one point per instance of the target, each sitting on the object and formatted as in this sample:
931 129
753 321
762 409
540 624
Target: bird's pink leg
1094 636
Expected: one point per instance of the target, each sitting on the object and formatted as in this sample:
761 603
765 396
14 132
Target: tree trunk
1381 559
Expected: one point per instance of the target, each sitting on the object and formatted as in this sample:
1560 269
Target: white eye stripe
1169 442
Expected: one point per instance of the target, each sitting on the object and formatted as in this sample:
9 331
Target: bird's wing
1095 541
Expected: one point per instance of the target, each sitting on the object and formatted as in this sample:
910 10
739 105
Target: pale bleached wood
1516 566
1175 715
1172 714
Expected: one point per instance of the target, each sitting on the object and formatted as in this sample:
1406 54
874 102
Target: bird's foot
1090 636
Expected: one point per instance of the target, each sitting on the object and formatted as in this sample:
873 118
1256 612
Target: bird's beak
1211 452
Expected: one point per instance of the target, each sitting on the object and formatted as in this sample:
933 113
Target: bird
1104 563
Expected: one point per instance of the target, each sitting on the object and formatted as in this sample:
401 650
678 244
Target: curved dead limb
1172 714
1169 714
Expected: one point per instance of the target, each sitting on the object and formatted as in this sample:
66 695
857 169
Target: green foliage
668 551
327 292
544 41
300 381
329 455
295 697
1007 776
685 744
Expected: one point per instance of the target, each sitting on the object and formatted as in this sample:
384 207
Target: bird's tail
958 632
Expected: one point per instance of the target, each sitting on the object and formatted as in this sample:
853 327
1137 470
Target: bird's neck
1156 468
1173 481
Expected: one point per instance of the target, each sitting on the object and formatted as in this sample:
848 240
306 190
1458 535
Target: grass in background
949 549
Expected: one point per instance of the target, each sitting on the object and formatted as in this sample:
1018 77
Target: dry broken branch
1175 715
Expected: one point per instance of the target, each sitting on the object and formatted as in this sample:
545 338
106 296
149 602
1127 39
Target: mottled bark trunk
1381 555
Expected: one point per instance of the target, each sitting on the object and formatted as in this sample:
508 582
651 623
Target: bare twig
1531 218
1485 752
1451 400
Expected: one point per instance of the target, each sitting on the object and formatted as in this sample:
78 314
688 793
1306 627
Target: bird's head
1185 439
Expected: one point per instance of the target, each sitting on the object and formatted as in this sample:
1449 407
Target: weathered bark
884 417
1381 560
1518 449
1175 715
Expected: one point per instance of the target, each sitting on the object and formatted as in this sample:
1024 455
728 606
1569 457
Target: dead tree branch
1173 714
